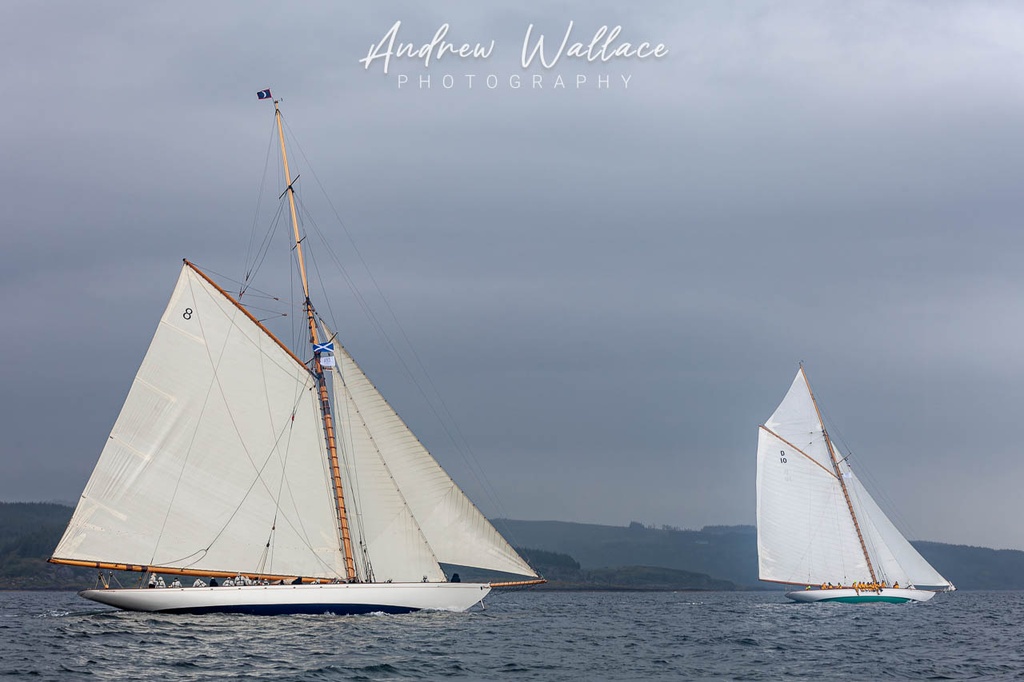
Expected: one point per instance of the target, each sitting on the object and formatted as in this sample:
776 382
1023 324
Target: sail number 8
187 314
782 456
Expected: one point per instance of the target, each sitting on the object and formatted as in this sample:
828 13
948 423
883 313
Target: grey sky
610 289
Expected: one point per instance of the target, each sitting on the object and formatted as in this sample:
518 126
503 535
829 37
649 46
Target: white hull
851 596
339 599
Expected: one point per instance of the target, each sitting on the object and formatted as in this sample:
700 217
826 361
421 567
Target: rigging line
447 421
891 509
460 443
259 201
274 314
411 376
256 293
221 277
316 268
264 248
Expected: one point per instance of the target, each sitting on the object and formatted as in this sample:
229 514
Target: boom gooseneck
325 402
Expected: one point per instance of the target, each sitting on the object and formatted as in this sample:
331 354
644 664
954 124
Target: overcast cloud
610 289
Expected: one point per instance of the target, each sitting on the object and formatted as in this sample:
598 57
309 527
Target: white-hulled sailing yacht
235 457
816 524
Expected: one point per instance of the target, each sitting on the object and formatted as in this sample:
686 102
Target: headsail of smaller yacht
816 523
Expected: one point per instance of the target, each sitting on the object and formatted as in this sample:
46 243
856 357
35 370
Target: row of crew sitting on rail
861 587
156 581
241 580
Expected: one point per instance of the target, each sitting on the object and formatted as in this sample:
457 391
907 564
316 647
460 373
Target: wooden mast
325 403
842 481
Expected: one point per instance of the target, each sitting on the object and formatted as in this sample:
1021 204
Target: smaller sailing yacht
816 524
283 472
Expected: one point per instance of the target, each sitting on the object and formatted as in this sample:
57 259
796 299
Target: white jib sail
895 559
402 492
805 530
216 461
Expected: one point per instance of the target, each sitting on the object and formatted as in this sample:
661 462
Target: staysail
806 533
412 515
216 461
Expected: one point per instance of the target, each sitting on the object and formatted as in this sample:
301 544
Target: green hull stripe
865 599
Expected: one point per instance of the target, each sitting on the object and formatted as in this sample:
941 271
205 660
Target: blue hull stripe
286 609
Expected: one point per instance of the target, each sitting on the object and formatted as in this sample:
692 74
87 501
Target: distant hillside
564 573
571 555
28 534
724 552
976 568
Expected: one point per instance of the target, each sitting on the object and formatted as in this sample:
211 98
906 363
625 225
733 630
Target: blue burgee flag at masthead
323 347
263 94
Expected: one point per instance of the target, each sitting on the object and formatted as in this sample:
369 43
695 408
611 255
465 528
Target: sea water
529 635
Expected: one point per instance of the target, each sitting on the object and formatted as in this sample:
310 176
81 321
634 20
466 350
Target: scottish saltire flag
323 347
327 361
263 94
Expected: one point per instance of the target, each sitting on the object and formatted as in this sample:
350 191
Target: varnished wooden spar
241 307
520 583
823 468
170 570
325 401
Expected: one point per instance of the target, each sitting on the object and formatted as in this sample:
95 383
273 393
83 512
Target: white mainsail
805 531
216 461
411 514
